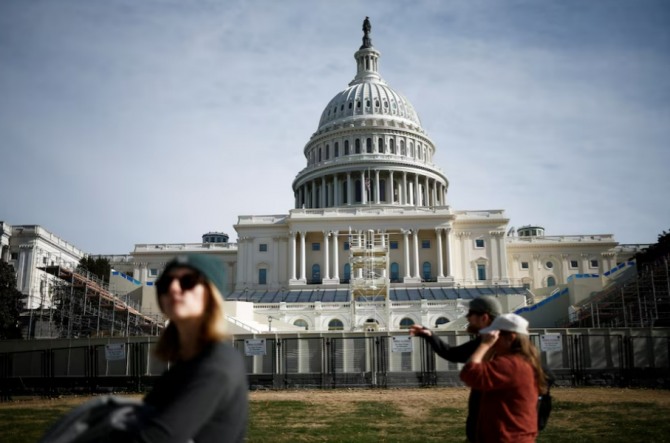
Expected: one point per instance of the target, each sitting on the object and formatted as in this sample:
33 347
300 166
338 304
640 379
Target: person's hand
419 331
490 338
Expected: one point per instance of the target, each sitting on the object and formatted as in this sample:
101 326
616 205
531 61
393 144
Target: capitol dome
369 148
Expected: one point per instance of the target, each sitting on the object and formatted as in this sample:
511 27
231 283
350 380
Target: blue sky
125 122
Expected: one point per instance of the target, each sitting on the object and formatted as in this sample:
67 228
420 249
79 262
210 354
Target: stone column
426 193
313 203
324 193
415 194
377 186
404 200
405 234
364 191
336 191
336 253
291 255
303 266
391 186
348 188
447 239
417 265
440 266
326 258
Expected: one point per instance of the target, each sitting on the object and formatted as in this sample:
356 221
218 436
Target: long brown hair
213 328
522 346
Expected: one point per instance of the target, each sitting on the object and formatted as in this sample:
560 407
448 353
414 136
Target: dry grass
389 415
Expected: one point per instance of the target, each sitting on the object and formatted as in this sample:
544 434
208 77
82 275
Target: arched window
426 270
392 146
395 272
441 321
357 144
411 149
380 145
335 325
327 152
316 273
406 323
346 147
402 147
337 150
347 273
301 323
551 281
368 145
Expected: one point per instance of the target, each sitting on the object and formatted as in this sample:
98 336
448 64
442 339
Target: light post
270 318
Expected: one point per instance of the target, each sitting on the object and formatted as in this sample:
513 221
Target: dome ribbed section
370 99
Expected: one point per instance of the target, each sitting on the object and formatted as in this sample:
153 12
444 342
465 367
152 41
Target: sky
126 122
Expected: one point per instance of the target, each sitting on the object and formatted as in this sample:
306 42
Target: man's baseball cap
486 304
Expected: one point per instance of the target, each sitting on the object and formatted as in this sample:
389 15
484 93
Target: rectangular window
153 272
14 256
574 264
316 246
263 247
481 272
394 245
262 276
594 263
479 243
524 265
526 286
44 260
425 244
346 245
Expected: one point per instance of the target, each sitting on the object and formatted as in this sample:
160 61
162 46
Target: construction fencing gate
607 357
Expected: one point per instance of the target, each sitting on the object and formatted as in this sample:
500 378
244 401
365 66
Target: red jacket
508 406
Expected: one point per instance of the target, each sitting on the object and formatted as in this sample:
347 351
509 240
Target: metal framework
643 300
82 305
369 261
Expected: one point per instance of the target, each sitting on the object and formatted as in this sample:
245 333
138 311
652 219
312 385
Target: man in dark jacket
480 315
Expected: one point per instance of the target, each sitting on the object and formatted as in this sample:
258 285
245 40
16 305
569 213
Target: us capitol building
371 242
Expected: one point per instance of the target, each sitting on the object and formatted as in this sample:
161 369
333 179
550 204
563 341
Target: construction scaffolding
82 305
368 261
641 300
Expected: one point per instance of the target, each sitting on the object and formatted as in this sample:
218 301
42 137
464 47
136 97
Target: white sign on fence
551 342
115 351
401 344
254 346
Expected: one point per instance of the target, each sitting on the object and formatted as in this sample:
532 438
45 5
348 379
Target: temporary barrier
608 357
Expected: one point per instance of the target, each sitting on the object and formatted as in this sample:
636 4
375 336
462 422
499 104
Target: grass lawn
398 415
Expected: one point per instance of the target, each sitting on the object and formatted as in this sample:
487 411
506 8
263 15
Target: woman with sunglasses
506 369
204 395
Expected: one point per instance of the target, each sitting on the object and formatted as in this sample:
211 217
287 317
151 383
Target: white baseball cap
508 322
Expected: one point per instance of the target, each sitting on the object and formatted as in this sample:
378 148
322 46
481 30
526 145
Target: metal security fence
608 357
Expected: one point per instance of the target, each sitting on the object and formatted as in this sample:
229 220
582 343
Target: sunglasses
186 282
471 313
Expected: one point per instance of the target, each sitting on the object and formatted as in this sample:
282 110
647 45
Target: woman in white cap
506 368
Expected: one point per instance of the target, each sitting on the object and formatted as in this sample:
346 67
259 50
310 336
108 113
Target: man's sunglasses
186 282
